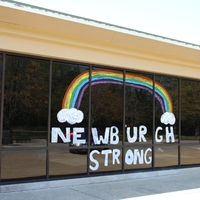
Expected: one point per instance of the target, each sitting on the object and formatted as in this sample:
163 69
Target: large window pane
190 122
166 155
69 119
190 153
138 120
107 99
1 69
166 121
107 115
62 162
69 90
23 164
26 100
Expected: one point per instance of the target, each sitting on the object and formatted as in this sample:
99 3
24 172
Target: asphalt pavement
165 184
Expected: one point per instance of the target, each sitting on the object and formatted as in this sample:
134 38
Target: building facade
83 98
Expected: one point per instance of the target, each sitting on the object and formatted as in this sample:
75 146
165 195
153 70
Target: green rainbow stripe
75 91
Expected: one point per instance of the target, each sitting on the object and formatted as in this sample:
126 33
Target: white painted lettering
129 157
137 157
76 136
106 152
169 134
116 154
142 132
96 166
55 132
156 135
114 138
145 157
100 139
134 137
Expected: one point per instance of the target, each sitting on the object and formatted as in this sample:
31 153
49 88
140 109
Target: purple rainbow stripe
75 91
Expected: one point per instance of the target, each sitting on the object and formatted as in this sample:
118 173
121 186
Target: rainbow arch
75 91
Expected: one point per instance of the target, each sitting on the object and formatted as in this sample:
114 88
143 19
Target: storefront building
82 98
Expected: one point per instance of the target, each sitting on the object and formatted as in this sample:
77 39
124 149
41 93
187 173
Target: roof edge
100 24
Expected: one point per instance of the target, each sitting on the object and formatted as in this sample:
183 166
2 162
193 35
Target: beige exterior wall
55 37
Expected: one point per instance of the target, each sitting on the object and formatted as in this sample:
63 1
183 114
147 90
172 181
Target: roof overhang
33 23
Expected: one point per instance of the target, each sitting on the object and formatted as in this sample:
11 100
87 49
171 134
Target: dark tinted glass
23 165
1 69
69 98
26 100
190 122
63 162
138 120
166 121
107 118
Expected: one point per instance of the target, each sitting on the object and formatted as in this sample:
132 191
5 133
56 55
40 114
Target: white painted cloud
72 116
168 118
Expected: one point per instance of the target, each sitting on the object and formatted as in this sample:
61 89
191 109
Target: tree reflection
26 92
190 108
106 105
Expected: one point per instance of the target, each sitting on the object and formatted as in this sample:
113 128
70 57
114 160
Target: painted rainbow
76 89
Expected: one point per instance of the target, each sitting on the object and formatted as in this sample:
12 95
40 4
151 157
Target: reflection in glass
166 134
138 101
23 164
107 146
190 110
66 90
1 69
190 122
107 102
26 99
169 88
166 155
190 153
62 162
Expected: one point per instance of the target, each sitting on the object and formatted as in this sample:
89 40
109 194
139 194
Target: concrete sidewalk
173 184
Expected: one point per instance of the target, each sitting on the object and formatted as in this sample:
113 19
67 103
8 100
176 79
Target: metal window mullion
124 114
89 119
2 106
179 122
49 120
153 127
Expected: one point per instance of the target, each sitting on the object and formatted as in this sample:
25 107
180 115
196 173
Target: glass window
166 155
63 162
166 121
190 122
69 91
107 115
26 100
138 119
23 164
190 153
1 69
69 119
101 120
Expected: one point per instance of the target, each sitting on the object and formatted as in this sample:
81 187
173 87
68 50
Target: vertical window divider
153 127
124 114
49 120
2 105
179 122
89 120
